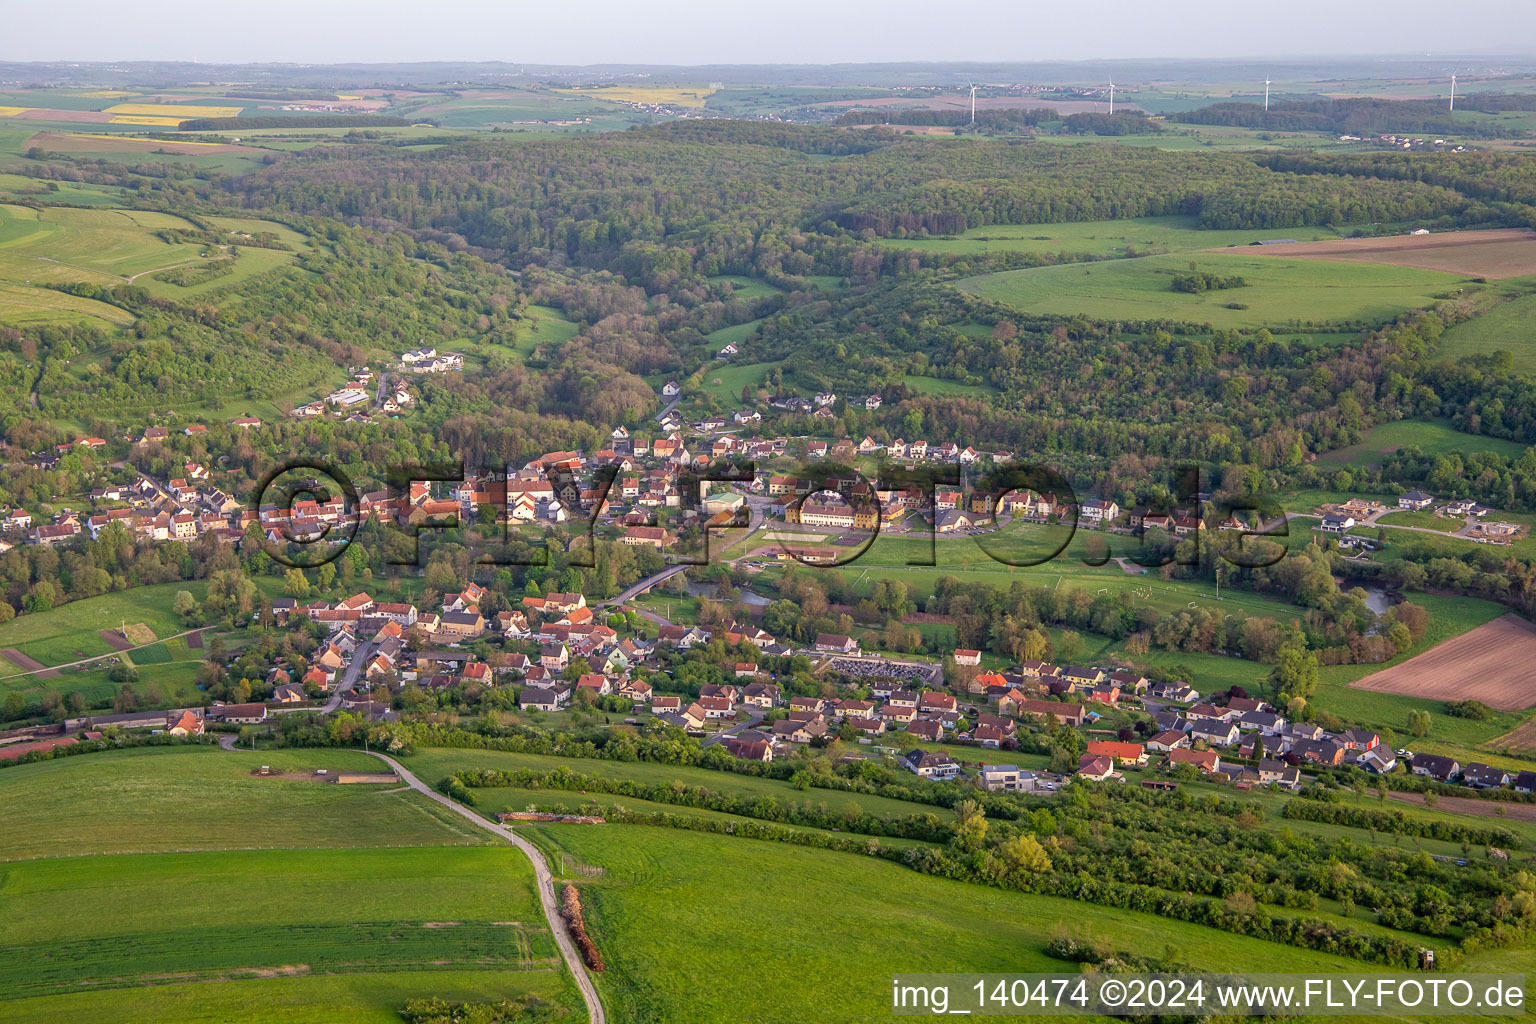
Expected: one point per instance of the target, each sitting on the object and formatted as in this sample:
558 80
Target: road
546 881
355 667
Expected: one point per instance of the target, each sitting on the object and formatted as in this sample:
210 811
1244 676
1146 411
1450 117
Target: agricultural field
725 381
1505 327
663 896
1277 292
234 896
1489 664
1133 236
1433 437
1496 253
693 96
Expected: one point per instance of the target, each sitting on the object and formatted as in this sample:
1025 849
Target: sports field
1278 291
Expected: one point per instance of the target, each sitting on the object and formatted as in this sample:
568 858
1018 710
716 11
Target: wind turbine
1111 94
973 103
1453 93
1266 95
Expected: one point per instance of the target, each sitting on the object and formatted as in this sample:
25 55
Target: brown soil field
80 116
1472 805
195 641
1494 253
27 664
1491 664
116 640
56 142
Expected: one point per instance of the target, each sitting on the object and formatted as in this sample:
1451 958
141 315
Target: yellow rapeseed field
157 122
665 95
13 111
183 111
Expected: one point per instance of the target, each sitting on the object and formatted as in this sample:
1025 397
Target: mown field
69 632
1278 291
268 899
162 799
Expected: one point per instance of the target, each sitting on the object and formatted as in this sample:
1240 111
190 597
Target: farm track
546 883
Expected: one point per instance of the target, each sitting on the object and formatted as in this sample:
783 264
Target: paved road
355 667
541 872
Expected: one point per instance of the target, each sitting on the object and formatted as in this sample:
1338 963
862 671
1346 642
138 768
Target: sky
780 31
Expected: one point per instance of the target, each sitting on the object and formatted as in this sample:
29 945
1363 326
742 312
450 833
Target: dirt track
1491 664
1494 253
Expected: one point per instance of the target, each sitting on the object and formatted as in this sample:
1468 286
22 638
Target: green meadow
1278 291
843 923
1505 327
1433 437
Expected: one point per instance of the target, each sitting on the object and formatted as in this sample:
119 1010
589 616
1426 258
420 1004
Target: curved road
541 871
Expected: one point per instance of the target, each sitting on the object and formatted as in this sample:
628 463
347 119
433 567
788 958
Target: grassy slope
1105 237
1437 437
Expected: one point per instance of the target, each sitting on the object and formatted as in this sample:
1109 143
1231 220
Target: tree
1295 671
185 606
296 584
1022 856
1419 722
15 706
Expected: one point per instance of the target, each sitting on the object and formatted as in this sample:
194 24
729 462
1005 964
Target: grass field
1278 291
1131 236
733 377
942 386
273 899
745 287
1506 326
163 799
69 632
1436 437
847 921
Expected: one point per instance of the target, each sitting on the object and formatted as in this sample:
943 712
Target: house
1207 761
748 750
966 657
239 714
926 729
1215 734
184 723
1359 739
1122 753
538 698
717 707
1525 782
694 717
288 693
1272 772
799 732
1067 714
1378 761
1095 768
662 704
1324 751
1481 776
671 389
1007 778
836 642
1416 499
1168 739
1441 769
930 764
